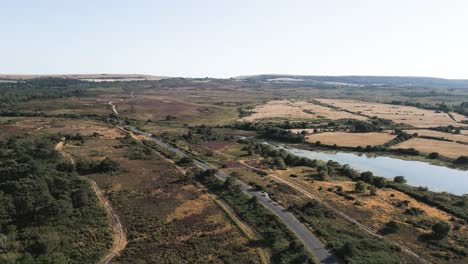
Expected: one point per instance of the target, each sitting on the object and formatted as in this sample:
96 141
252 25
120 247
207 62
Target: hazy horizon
221 40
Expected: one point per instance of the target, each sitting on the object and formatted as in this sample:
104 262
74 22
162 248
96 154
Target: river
417 173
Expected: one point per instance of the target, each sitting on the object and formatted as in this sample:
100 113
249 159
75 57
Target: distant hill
84 77
361 80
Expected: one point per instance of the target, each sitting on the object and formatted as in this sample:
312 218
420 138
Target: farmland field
448 149
397 113
296 110
431 133
350 139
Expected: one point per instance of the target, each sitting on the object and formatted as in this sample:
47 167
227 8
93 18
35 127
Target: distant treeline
373 80
41 88
462 108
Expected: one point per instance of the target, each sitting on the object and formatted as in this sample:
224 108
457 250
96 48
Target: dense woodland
47 213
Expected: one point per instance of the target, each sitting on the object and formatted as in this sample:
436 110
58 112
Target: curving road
310 241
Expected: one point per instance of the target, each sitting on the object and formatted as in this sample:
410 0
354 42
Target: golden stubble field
431 133
349 139
297 110
445 148
397 113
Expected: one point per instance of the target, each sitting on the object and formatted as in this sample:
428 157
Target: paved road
311 242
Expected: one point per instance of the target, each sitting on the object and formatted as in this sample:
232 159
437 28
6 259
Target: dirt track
118 233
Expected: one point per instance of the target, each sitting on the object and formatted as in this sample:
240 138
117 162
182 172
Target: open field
349 139
431 133
66 106
158 109
397 113
459 118
30 125
296 110
448 149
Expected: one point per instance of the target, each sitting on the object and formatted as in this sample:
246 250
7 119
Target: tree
360 187
433 155
379 182
229 183
367 176
461 160
399 179
279 162
440 230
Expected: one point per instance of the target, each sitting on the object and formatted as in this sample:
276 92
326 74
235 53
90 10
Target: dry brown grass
432 133
350 139
459 117
188 208
31 125
445 148
295 110
397 113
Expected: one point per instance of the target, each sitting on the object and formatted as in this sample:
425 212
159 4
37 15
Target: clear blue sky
219 38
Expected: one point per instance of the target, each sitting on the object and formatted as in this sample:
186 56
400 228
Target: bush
414 211
92 166
433 155
185 161
461 160
399 179
360 187
440 230
390 228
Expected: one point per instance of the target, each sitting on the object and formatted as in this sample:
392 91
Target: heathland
79 185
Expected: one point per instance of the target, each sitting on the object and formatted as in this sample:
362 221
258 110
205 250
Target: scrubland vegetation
49 214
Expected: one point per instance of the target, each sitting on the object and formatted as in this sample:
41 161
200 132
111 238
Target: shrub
399 179
461 160
360 187
440 230
414 211
390 228
185 161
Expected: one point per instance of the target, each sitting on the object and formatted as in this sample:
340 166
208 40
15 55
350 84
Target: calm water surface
417 173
